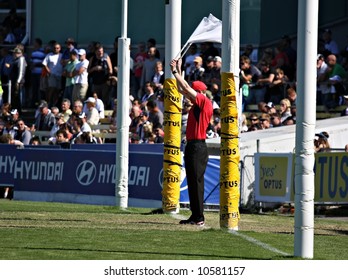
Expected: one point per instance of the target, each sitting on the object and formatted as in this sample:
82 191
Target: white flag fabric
209 30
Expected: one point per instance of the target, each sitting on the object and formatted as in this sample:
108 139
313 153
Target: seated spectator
197 73
92 114
216 71
289 121
291 95
65 106
159 138
22 133
271 108
150 88
244 121
276 120
321 141
62 139
155 114
84 138
262 106
59 121
35 141
285 109
253 120
45 119
265 121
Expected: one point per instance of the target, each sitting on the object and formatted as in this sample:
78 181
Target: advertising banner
274 177
45 174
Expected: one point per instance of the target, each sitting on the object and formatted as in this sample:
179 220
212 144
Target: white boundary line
258 243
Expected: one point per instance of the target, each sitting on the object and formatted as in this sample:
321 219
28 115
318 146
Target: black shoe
185 222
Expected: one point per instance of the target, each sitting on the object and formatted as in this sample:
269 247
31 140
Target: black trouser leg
196 159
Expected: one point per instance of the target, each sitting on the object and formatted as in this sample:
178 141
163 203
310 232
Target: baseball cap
16 50
81 52
319 56
270 105
198 85
143 113
198 59
43 104
14 112
90 99
217 58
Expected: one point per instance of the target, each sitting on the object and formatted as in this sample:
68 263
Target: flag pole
183 50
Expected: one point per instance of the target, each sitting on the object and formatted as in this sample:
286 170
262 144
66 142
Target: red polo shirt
199 118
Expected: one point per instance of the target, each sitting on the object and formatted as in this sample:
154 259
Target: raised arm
185 89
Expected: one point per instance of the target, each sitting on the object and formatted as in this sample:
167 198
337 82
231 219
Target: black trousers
196 159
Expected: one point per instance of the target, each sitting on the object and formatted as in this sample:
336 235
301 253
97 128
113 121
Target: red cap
198 85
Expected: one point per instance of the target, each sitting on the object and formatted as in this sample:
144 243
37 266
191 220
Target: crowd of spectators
59 74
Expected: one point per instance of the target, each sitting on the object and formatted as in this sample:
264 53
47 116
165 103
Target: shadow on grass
145 253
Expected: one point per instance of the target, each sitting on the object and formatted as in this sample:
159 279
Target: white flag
209 30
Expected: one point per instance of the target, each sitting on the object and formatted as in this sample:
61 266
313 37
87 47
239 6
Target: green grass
58 231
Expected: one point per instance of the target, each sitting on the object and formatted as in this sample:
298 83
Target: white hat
90 99
217 58
81 52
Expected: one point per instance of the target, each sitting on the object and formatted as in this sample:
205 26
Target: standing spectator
70 46
158 80
334 77
151 43
189 58
196 151
45 119
330 46
99 70
139 59
114 57
322 88
54 70
277 88
81 77
17 77
68 73
148 67
249 74
6 61
36 59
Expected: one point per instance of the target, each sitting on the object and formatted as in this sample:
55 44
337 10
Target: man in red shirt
196 152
